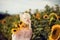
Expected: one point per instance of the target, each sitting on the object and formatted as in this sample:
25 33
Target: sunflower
55 32
45 16
14 30
17 24
3 21
23 25
54 15
38 15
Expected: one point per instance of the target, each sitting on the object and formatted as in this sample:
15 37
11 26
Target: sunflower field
45 24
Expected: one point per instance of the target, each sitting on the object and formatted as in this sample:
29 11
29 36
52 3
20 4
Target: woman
25 32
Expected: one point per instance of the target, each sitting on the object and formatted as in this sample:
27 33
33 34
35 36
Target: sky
16 6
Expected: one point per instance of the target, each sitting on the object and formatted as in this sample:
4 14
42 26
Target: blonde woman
26 32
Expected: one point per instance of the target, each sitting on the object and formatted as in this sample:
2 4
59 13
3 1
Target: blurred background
44 14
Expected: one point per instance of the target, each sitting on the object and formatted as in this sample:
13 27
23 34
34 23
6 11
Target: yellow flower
38 15
14 30
45 16
3 21
55 32
17 24
23 25
54 15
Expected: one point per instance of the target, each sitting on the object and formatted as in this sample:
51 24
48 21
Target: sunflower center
14 30
54 32
18 25
20 22
4 21
45 16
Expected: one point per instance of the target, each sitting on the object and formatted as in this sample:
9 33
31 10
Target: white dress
22 35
